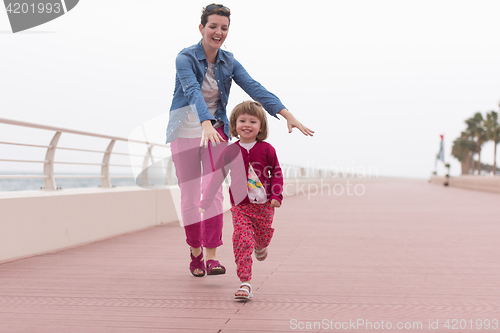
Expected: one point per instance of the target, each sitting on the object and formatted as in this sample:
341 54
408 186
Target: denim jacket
191 66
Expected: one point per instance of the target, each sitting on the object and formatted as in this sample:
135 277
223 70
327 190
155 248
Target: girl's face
215 32
247 127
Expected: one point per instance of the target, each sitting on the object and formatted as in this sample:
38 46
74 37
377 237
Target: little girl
256 188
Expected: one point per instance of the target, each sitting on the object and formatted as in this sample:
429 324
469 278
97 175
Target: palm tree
493 133
463 148
476 129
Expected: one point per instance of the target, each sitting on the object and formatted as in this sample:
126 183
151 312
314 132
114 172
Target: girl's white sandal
261 254
249 292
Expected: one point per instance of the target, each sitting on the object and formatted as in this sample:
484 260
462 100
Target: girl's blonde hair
253 109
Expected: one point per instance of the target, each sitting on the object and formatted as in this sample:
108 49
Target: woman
204 74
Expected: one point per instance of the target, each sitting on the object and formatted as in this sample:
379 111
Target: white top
248 146
256 191
191 127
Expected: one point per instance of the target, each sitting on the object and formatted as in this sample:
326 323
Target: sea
63 183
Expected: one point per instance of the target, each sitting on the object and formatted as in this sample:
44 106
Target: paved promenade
404 253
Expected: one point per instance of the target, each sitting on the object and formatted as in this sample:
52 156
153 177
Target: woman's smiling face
215 31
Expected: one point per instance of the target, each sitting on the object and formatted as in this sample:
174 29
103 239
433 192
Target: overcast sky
378 81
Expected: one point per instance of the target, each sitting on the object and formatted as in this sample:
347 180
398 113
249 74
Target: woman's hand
209 134
293 122
275 203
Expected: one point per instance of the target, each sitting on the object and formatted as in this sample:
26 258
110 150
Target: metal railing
49 177
148 167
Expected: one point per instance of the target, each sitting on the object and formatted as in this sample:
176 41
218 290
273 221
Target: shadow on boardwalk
405 252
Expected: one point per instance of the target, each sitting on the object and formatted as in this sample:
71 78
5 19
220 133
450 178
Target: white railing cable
23 144
85 150
80 176
25 161
77 163
126 154
23 176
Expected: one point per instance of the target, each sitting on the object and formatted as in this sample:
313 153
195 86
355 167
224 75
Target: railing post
170 172
106 180
286 171
145 163
302 172
48 168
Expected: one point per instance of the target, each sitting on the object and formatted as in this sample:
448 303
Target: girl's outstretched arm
293 122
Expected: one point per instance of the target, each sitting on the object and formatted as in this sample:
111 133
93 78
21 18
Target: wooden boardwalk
405 252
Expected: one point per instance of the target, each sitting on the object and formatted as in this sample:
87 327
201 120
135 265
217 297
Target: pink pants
252 229
193 168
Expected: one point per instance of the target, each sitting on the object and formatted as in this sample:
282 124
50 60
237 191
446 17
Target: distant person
256 189
204 74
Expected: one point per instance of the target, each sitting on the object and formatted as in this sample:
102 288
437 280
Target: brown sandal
215 268
197 263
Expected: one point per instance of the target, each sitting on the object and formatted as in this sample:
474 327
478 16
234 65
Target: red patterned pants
252 228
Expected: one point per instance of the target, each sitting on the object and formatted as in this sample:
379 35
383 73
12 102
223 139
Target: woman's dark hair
214 8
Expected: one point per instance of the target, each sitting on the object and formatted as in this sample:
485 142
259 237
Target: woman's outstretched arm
269 101
293 122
